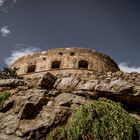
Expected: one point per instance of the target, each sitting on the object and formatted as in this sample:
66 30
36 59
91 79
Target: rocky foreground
39 104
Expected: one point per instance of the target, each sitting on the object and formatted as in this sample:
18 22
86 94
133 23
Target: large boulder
47 81
67 84
120 90
88 85
118 86
26 104
64 99
38 127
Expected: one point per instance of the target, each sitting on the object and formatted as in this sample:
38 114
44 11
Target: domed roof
64 59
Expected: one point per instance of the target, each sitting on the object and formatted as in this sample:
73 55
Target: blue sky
108 26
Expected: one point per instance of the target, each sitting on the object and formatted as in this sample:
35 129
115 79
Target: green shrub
7 73
3 97
58 133
103 120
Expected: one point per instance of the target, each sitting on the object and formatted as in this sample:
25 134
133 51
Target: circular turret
72 60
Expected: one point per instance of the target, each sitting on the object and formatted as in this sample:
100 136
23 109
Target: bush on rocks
3 97
103 120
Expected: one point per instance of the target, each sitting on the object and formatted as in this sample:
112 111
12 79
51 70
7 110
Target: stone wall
69 58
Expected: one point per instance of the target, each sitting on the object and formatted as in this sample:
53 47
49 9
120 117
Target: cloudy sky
109 26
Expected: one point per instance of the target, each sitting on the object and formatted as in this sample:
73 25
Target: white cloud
2 2
6 4
124 67
15 54
5 31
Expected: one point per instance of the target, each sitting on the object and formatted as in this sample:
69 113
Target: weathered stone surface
136 90
27 117
67 84
45 60
38 127
3 136
64 99
26 103
53 92
13 128
9 122
47 81
79 100
116 87
119 90
12 82
87 85
119 73
19 88
31 103
85 93
32 111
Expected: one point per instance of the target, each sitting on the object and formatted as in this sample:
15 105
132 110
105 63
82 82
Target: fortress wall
61 72
69 58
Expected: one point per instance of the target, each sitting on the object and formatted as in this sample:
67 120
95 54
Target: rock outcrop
38 105
12 82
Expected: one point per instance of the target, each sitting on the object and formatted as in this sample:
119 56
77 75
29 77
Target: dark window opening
44 58
72 53
56 64
60 53
31 68
82 64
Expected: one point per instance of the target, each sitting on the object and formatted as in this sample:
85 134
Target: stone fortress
54 84
65 60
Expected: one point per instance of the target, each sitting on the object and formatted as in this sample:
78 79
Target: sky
108 26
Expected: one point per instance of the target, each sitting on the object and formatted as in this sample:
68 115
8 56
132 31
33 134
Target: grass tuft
3 97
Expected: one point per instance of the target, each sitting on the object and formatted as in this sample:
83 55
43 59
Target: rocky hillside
31 108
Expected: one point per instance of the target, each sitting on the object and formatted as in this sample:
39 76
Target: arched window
31 68
82 64
56 64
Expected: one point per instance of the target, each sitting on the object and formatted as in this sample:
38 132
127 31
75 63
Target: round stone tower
65 60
